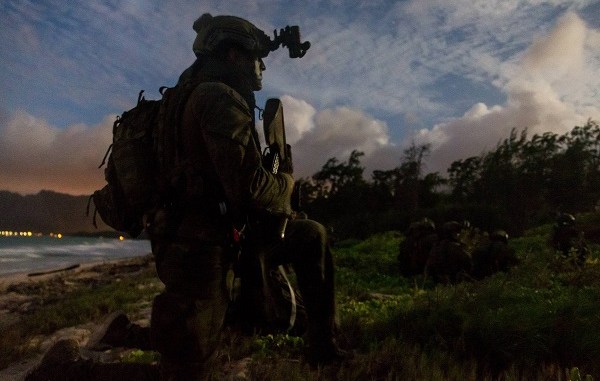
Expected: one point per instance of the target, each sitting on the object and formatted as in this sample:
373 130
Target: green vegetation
139 356
59 303
538 322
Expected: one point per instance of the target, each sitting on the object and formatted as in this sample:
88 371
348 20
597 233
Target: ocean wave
44 253
25 251
12 260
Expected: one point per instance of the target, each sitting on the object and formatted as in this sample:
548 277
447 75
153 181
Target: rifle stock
279 155
279 152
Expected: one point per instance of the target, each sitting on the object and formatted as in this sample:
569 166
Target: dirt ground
20 292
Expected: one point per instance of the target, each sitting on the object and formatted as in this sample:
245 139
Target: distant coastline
48 211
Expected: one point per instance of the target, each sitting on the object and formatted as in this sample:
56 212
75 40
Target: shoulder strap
167 142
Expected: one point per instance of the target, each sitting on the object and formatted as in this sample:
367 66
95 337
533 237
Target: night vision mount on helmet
290 37
213 30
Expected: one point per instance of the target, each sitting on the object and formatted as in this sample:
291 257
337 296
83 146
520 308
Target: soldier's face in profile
259 67
250 66
254 67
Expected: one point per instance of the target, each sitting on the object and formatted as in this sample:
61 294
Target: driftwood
54 271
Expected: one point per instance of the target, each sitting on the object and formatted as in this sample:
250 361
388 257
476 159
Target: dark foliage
523 182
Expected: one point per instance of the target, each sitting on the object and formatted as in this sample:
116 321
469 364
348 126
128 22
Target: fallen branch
54 271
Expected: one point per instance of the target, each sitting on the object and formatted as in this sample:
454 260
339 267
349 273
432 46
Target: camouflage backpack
141 160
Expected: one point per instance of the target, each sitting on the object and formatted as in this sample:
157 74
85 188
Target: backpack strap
168 137
106 156
87 211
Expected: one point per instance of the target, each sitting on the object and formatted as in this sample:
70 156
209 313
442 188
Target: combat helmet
499 236
565 219
427 224
214 30
421 226
451 229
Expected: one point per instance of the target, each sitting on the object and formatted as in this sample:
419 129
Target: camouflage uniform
449 261
567 239
193 244
415 248
493 255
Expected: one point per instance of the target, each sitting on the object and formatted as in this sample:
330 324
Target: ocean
31 254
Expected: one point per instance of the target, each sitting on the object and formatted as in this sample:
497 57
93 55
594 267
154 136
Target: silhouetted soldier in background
567 239
449 261
492 255
414 249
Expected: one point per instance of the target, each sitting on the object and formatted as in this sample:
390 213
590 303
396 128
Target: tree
522 182
464 178
385 185
335 176
339 195
409 175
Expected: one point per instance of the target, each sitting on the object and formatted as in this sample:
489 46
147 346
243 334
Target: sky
379 76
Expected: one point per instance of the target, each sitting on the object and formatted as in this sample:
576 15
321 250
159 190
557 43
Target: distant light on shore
27 234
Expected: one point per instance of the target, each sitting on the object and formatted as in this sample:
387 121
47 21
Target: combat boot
62 353
63 362
118 331
112 332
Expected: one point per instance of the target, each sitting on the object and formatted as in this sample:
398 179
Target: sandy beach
21 293
85 269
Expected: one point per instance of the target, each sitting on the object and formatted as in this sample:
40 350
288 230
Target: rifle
264 280
278 153
274 128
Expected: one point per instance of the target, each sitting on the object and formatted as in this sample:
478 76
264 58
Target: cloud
559 53
552 87
299 117
381 57
415 62
35 155
541 93
334 132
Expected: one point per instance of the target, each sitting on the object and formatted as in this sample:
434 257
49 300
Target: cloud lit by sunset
379 76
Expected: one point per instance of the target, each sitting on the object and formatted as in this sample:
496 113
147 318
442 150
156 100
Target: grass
538 322
87 301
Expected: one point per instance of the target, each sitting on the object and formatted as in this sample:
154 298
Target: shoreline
20 294
34 276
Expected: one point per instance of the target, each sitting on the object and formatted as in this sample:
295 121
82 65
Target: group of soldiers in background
458 251
455 253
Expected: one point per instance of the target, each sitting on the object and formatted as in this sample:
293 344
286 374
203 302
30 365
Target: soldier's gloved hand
286 165
280 204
